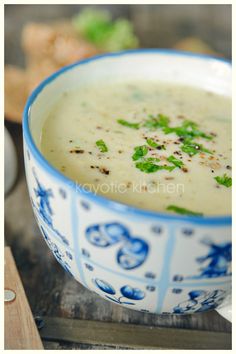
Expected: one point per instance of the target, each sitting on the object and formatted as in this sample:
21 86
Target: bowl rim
99 199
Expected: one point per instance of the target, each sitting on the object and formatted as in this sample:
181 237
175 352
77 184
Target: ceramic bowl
147 261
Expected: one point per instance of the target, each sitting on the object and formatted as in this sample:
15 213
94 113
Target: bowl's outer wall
148 264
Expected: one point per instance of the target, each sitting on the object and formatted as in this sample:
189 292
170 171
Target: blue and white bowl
147 261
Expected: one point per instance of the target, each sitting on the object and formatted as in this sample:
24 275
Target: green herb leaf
176 162
128 124
152 159
140 151
109 35
156 122
191 128
152 124
163 120
183 211
188 129
101 145
168 168
147 167
152 143
192 148
224 180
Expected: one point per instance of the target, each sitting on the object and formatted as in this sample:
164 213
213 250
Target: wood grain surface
20 329
132 336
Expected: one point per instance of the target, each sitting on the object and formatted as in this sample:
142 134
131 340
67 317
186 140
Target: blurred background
155 25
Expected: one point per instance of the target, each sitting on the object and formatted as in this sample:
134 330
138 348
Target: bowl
143 260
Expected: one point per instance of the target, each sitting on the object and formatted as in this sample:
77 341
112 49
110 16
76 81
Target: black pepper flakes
161 147
104 170
178 153
77 151
184 169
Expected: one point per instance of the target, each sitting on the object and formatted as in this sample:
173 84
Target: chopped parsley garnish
150 167
152 159
128 124
168 168
188 129
224 180
192 148
147 167
152 143
101 145
187 132
183 211
139 151
153 122
176 162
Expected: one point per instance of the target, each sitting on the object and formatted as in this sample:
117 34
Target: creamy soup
152 145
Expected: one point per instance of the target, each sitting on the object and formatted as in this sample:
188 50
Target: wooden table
53 293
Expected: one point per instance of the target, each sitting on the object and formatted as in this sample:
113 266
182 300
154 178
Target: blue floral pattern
199 301
60 257
43 207
216 262
126 291
218 258
133 251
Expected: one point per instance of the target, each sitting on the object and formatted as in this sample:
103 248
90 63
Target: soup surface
153 145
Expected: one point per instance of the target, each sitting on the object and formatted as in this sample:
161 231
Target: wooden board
131 336
20 329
